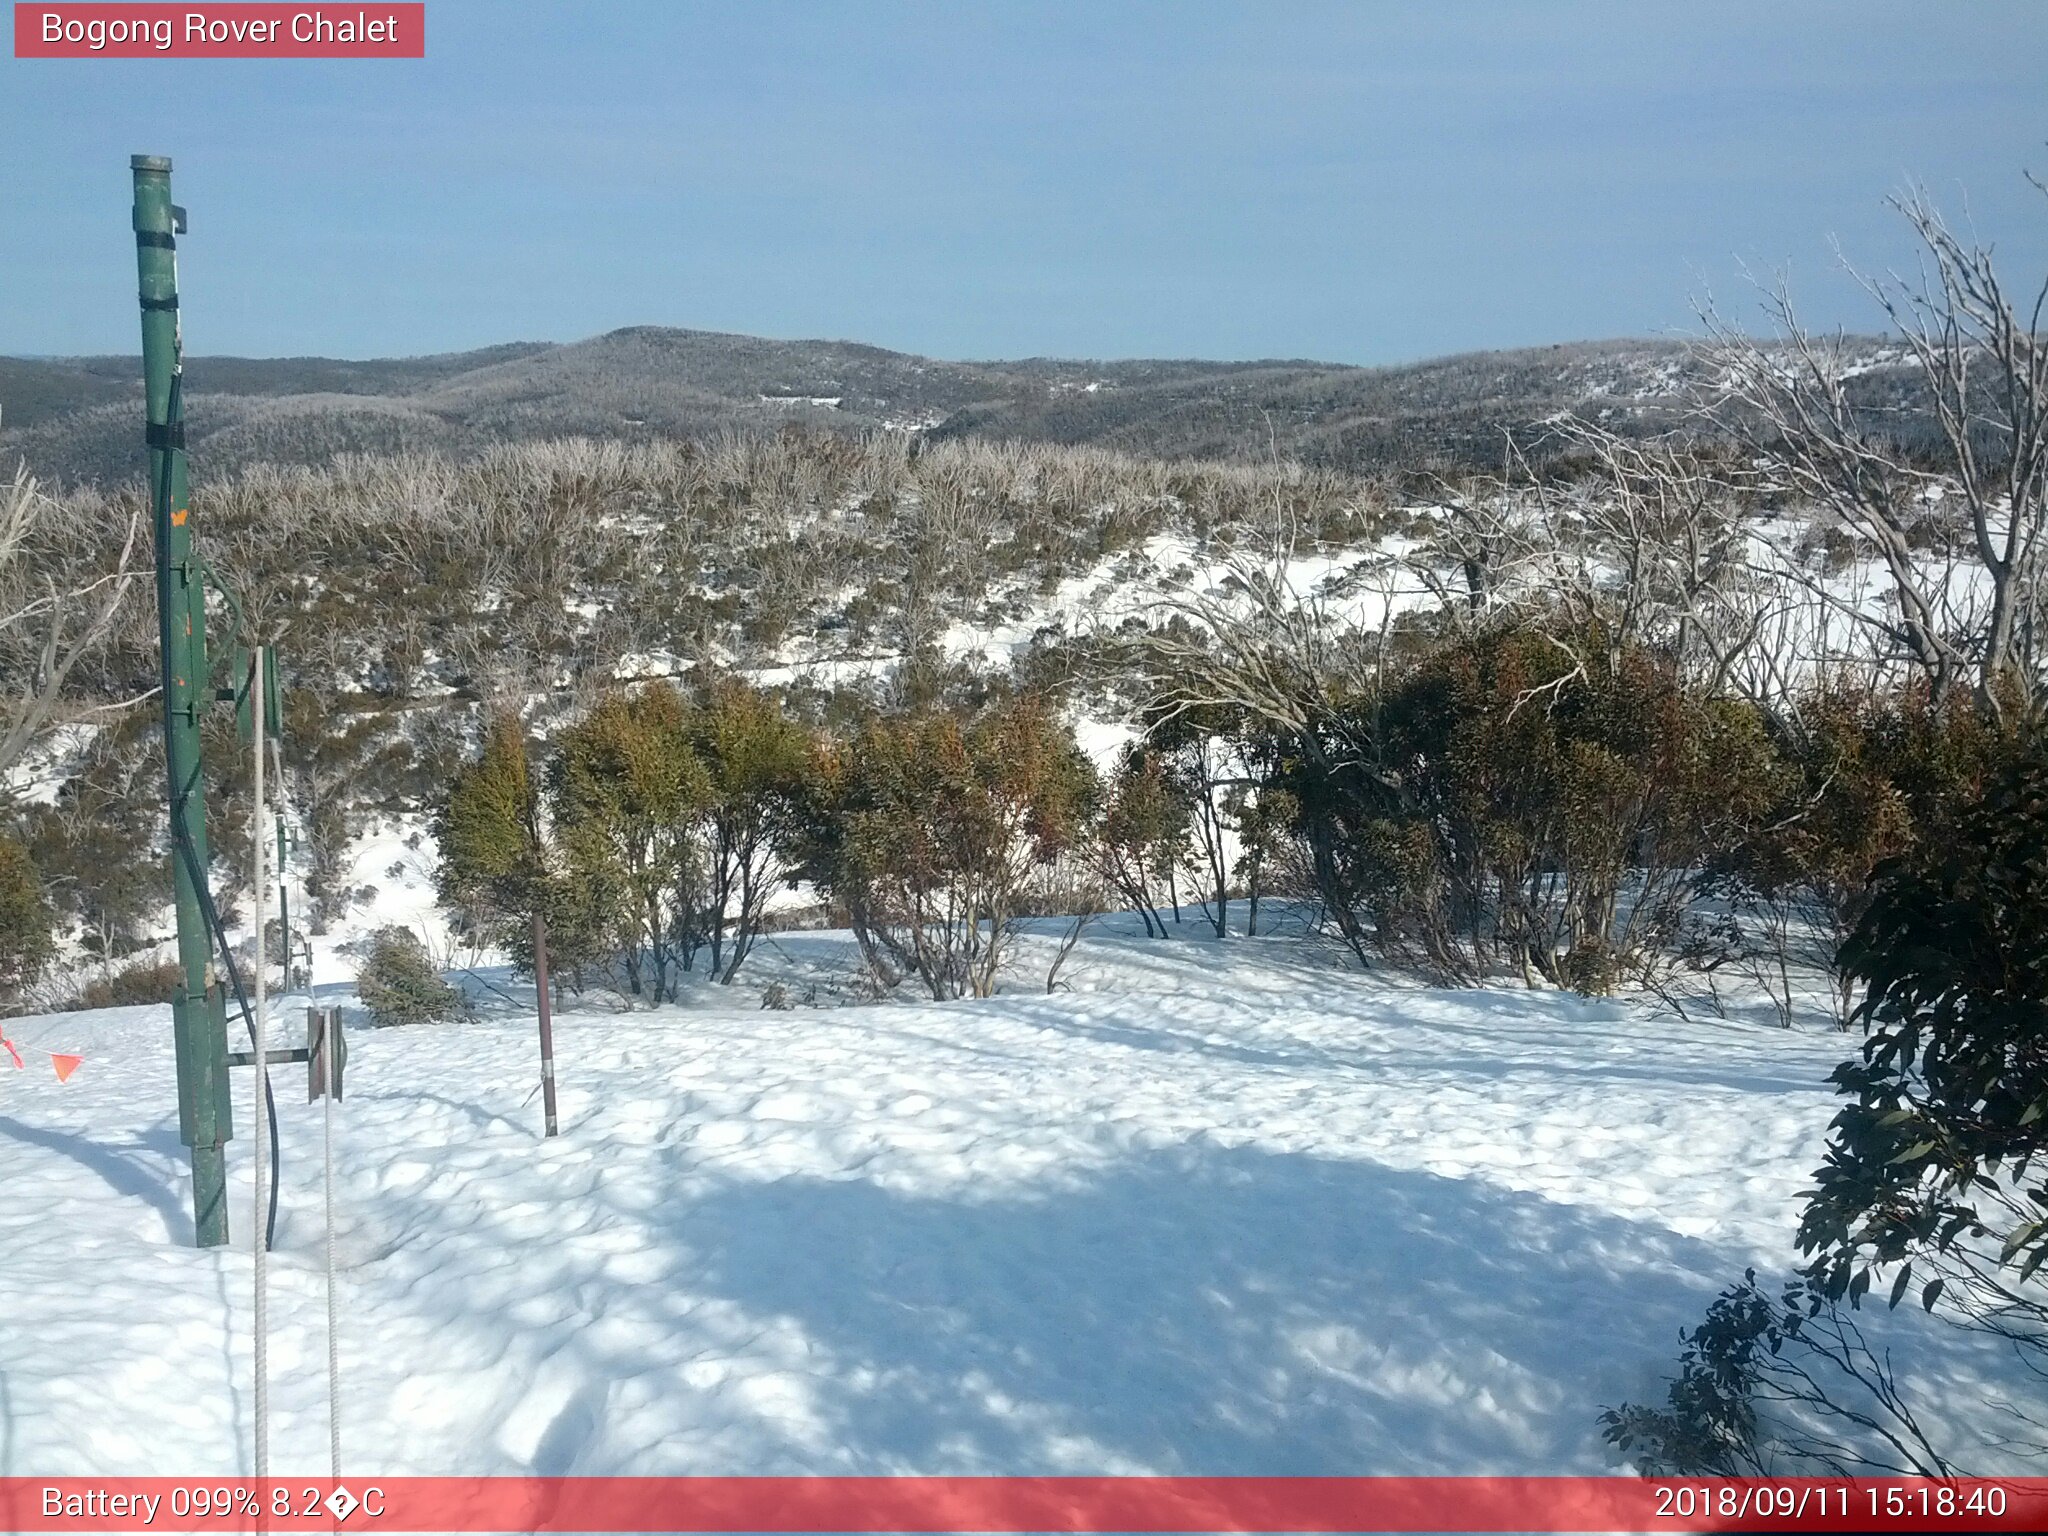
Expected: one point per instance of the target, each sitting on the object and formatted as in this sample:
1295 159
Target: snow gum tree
627 790
1966 577
1143 834
1202 765
51 616
928 828
758 765
500 866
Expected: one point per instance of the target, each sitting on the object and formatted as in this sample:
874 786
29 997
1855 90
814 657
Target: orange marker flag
65 1065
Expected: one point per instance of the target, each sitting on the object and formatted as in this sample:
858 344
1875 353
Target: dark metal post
547 1021
284 909
326 1052
199 1010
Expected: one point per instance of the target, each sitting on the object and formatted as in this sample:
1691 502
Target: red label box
388 1506
365 29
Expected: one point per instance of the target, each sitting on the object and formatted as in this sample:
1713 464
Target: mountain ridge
76 419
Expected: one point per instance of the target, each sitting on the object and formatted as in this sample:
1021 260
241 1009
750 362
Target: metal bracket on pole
320 1021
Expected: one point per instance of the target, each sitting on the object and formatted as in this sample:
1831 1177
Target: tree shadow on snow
1206 1310
1739 1075
123 1175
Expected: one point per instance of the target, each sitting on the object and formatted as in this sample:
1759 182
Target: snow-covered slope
1222 1208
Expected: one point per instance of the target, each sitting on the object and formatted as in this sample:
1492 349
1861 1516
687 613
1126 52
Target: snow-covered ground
1221 1208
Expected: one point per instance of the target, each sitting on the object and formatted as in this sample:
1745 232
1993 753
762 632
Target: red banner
1017 1504
372 30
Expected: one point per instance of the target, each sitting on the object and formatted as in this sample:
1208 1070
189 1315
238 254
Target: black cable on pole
208 912
213 924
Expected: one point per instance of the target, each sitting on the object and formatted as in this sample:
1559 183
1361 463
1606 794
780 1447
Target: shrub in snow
146 981
1777 1387
96 845
398 984
1867 776
1931 1186
25 920
1933 1168
1553 806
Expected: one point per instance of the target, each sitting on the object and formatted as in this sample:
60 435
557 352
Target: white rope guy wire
330 1077
330 1031
260 1028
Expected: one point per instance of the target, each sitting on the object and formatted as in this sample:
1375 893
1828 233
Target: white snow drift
1226 1208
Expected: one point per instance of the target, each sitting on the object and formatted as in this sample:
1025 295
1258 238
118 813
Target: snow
38 776
1221 1208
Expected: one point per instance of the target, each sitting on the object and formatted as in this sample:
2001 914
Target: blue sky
1365 182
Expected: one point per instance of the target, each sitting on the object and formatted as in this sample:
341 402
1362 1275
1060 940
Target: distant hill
77 419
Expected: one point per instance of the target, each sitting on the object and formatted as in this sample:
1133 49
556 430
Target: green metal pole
199 1010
